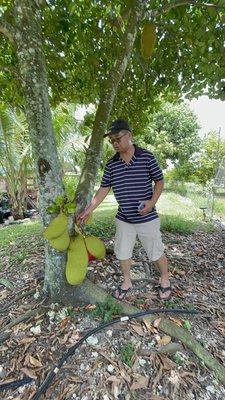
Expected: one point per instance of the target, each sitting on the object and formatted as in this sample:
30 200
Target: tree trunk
93 156
28 43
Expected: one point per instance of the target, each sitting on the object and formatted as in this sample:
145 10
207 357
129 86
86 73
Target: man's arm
97 199
158 188
149 204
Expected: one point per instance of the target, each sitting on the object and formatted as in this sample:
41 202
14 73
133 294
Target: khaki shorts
148 233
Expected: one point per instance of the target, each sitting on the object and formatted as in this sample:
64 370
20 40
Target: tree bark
28 43
93 156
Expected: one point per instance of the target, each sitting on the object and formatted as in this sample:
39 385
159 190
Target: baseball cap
117 126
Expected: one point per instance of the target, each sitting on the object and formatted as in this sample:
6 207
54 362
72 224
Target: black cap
117 126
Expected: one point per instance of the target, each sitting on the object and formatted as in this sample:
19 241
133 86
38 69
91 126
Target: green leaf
187 324
70 207
70 193
59 200
53 209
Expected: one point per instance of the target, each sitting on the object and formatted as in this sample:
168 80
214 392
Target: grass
127 354
19 241
178 214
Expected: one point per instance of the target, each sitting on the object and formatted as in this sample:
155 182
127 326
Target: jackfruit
78 244
91 257
148 40
76 267
62 242
56 227
95 246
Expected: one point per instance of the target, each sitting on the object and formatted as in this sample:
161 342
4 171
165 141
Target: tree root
4 335
186 338
20 296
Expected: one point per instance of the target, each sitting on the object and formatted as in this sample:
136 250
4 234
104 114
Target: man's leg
150 237
124 244
125 267
162 265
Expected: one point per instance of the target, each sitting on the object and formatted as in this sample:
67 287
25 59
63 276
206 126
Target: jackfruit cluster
148 40
80 249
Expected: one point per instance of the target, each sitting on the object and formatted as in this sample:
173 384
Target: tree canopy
81 42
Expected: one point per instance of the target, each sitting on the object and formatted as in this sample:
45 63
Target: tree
203 164
172 133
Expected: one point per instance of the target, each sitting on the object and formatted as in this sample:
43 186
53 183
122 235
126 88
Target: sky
210 113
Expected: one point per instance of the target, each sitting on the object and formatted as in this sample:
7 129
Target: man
130 173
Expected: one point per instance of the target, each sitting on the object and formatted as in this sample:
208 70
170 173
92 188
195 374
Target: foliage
127 352
202 166
178 224
15 157
187 324
69 134
81 50
172 133
107 309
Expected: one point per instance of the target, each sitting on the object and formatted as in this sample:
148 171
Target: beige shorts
148 233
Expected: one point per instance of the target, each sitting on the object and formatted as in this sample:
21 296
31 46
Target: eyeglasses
118 139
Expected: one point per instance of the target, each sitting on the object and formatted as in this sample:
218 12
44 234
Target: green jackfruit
78 244
76 267
148 40
95 246
56 227
62 242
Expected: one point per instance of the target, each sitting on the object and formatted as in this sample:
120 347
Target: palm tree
15 157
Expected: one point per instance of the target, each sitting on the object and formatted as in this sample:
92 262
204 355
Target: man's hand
82 217
149 204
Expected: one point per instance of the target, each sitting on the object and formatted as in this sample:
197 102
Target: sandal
166 289
121 293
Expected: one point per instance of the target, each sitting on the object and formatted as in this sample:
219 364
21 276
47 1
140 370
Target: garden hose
42 389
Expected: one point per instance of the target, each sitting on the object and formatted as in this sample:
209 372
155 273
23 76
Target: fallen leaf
125 376
138 329
176 321
35 362
29 372
140 382
113 378
157 322
164 340
27 340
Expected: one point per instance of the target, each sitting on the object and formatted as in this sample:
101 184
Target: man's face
121 141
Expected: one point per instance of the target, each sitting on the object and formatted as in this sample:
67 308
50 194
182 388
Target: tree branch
179 3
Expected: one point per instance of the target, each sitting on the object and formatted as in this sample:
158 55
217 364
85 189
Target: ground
129 360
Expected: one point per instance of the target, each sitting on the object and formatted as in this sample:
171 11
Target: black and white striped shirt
132 183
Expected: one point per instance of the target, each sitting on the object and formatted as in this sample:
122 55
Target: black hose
16 384
42 389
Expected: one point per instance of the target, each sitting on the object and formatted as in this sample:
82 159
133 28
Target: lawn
178 214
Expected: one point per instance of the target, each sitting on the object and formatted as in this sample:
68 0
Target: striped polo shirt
132 183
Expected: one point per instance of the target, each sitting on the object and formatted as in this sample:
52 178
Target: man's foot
120 293
165 292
